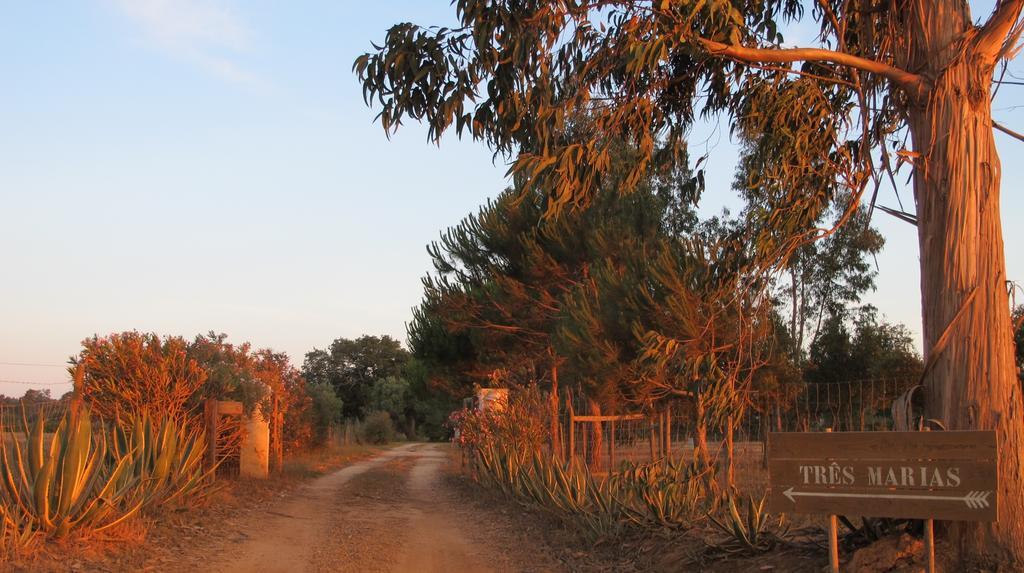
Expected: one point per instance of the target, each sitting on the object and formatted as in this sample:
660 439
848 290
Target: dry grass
9 438
322 460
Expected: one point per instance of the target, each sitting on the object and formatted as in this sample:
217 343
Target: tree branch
990 40
911 83
1008 131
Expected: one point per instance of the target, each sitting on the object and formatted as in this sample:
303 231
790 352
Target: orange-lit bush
132 373
136 373
296 403
299 432
233 371
520 427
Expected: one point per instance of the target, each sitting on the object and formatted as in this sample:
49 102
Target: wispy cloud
207 32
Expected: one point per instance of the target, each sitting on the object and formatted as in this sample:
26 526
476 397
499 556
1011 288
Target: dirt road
393 513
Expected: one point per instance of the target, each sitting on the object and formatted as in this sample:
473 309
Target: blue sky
185 165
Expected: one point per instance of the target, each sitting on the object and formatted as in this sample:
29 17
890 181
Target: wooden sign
229 408
922 475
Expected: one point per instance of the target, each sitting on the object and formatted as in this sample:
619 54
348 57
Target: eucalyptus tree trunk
970 379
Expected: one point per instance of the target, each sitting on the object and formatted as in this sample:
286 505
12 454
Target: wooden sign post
920 475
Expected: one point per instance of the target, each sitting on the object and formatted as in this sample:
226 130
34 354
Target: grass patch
318 462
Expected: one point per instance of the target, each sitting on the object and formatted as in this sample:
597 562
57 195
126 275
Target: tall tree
873 349
503 278
827 276
352 366
430 407
818 118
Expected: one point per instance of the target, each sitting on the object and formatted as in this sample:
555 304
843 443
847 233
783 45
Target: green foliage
430 405
517 295
135 373
816 126
377 428
875 349
389 395
826 277
352 366
491 304
710 326
516 74
231 370
325 411
16 535
663 494
34 396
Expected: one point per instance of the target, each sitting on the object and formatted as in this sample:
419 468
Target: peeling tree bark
970 375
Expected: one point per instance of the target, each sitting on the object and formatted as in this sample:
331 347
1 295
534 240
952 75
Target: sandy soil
393 513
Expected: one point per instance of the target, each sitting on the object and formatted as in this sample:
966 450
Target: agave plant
752 531
166 456
667 494
67 484
14 534
662 496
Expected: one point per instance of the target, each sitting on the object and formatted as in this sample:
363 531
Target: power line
27 383
33 364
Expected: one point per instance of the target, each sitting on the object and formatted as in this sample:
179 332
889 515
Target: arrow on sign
973 499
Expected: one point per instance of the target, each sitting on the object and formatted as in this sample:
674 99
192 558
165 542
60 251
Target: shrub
137 373
377 428
326 410
520 429
389 394
298 431
310 411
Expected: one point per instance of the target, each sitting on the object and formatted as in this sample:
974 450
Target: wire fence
605 439
14 415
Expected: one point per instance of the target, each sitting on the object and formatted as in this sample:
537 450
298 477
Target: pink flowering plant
518 428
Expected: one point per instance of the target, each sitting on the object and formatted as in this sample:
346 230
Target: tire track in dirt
435 541
287 541
395 513
369 523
